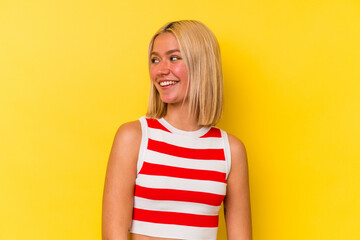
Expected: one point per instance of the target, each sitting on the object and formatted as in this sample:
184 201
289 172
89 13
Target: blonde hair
201 54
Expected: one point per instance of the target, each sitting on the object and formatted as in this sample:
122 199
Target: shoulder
128 138
237 147
238 152
129 130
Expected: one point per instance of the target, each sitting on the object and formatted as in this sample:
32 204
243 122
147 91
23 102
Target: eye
154 60
174 58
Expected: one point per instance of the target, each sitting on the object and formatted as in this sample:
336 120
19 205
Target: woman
169 172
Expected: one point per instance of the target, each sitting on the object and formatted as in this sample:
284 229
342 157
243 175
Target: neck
178 116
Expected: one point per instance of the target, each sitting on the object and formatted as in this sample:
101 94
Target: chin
173 99
169 100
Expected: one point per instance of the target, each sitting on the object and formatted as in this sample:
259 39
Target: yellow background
72 71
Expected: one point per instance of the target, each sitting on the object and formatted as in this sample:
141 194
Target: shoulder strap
227 152
143 144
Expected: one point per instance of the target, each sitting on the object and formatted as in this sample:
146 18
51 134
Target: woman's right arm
120 182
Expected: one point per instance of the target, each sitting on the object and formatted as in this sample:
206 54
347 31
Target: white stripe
185 141
173 231
162 182
168 160
176 206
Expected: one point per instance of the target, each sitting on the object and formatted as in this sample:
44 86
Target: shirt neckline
197 133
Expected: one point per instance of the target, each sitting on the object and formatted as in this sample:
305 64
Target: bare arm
120 182
237 201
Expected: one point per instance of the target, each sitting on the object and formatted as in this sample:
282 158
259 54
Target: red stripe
213 132
179 195
205 154
169 171
185 219
154 123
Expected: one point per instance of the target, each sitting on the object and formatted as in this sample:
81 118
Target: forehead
165 42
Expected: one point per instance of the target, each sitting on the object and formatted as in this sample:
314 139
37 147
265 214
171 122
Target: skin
166 65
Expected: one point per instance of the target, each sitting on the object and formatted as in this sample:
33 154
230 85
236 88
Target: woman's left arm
237 201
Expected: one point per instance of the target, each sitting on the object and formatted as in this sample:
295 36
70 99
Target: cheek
181 72
152 74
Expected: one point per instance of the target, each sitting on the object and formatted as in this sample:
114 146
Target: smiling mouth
167 83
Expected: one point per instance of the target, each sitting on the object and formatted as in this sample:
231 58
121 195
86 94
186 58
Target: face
167 69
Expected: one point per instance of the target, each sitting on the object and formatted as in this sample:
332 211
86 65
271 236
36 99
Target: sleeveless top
181 181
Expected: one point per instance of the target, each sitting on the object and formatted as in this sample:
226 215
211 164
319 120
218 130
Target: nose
163 68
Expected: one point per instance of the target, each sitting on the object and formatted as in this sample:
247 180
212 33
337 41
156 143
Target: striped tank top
181 181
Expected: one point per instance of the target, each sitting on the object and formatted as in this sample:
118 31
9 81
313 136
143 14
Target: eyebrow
168 52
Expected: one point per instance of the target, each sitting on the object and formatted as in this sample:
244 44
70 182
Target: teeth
167 83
